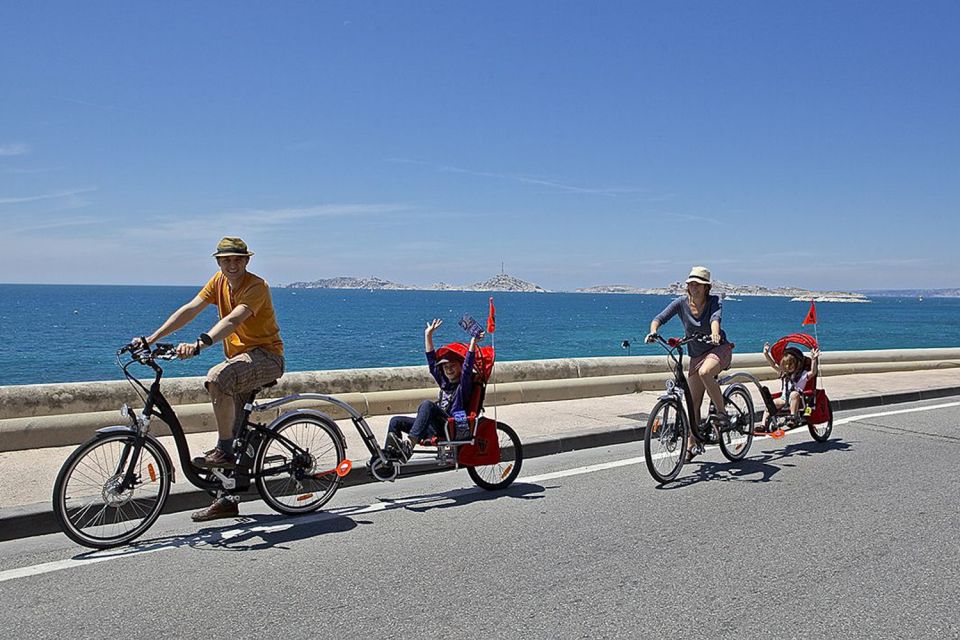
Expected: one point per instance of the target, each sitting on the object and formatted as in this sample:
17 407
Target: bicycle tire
502 474
312 482
92 467
821 431
735 442
669 434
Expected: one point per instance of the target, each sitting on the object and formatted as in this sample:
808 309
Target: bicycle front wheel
665 440
302 479
500 475
735 440
95 502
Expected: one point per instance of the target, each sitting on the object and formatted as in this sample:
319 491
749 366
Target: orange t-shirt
260 329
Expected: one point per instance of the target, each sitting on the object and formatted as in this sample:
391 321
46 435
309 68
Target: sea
70 333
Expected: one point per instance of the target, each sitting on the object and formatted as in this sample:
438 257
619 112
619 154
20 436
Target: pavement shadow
271 531
238 534
757 468
464 497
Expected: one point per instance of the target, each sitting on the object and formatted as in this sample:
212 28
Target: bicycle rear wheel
735 441
295 482
821 431
665 440
89 500
500 475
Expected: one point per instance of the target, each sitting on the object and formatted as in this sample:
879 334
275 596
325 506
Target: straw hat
700 275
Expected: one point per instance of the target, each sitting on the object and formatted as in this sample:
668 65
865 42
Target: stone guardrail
49 415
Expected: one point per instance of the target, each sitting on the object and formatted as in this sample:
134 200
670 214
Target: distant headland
505 282
731 291
499 282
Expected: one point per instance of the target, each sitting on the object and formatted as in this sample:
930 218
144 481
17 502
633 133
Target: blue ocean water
66 333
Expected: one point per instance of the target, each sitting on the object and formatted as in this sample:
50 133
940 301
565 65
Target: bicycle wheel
665 440
88 501
292 482
500 475
821 432
735 441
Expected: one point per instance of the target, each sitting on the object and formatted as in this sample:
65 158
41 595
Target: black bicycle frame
156 405
680 379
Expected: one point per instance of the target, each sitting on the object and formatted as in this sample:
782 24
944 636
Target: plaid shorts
246 372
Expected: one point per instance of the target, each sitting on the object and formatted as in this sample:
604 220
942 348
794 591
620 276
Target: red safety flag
811 315
492 318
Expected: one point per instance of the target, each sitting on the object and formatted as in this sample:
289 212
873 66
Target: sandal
694 451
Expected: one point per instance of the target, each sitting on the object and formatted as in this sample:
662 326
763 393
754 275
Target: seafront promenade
549 415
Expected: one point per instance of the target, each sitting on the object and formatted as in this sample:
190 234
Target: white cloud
609 192
253 220
46 196
14 149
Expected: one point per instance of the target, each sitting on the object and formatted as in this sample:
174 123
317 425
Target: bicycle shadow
276 531
272 530
758 468
464 497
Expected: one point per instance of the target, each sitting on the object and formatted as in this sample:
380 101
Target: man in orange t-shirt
251 342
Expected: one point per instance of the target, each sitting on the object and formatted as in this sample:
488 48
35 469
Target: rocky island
735 290
499 282
345 282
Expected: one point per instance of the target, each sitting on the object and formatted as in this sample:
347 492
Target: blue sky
813 144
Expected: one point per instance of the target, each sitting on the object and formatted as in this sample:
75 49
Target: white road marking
895 412
220 536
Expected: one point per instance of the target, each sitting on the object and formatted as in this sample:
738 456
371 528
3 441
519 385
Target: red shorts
722 353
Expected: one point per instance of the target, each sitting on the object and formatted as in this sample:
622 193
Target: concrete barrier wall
36 416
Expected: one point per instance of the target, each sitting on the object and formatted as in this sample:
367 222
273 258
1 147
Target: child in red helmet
794 375
455 379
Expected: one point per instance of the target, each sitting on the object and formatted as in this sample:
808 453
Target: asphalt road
857 537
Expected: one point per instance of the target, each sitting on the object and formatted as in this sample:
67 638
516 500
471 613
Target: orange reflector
506 471
344 468
779 433
656 425
152 472
305 496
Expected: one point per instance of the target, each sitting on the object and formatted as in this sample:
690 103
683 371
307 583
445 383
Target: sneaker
215 458
406 450
393 447
221 508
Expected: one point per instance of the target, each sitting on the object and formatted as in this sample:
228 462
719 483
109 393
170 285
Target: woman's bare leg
708 375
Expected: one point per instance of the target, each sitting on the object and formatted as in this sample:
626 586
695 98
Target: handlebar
142 352
672 343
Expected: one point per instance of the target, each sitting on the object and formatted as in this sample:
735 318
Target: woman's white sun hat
700 275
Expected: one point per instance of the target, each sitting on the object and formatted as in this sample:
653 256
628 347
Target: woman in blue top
700 313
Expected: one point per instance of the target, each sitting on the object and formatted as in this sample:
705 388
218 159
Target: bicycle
668 429
112 488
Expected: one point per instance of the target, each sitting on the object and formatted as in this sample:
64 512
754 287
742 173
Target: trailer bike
113 487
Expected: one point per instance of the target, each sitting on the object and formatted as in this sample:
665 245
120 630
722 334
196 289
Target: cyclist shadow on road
757 468
457 498
270 531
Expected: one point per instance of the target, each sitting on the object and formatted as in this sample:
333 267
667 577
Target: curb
38 519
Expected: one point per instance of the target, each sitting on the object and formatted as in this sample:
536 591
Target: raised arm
428 334
770 360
